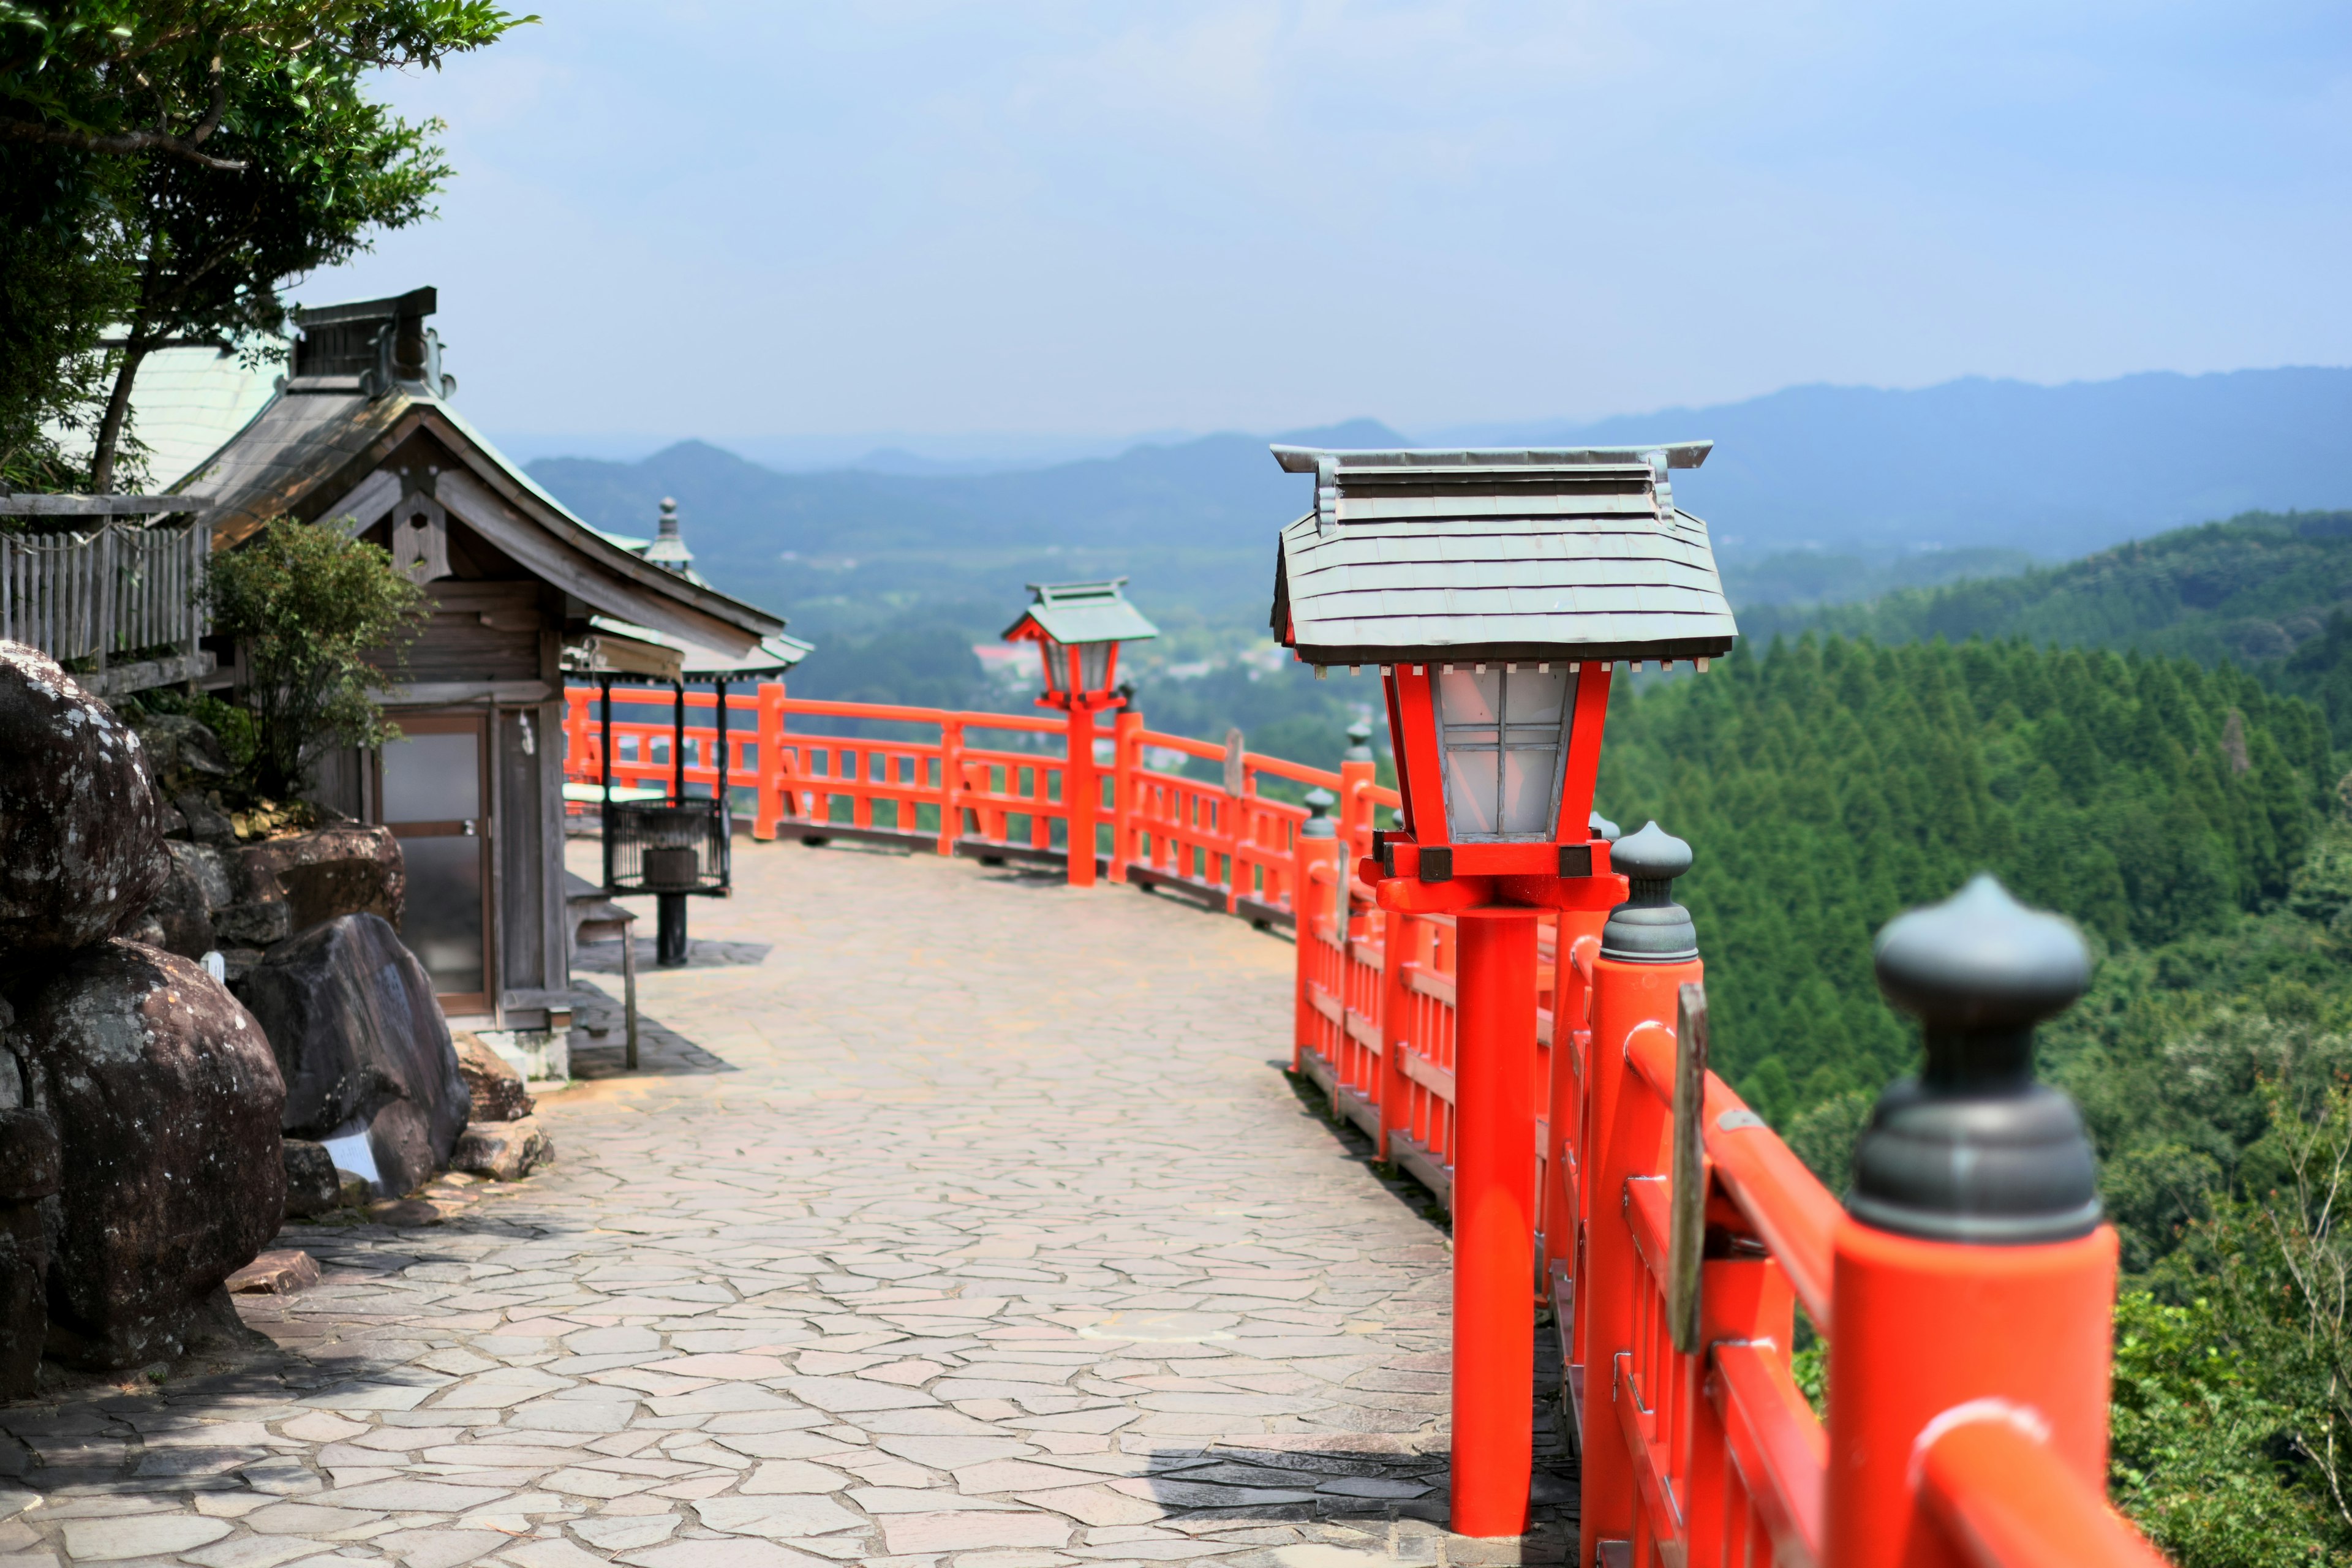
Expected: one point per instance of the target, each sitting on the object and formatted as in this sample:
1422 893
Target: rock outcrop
348 868
167 1101
498 1091
81 842
362 1044
503 1150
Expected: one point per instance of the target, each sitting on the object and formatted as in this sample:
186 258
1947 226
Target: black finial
1319 824
1649 927
1601 827
1973 1150
1359 742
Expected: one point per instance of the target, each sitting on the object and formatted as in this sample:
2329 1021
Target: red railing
946 791
1970 1418
1952 1442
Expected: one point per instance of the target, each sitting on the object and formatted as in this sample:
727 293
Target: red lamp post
1496 592
1078 627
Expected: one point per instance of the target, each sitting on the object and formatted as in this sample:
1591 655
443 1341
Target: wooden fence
115 592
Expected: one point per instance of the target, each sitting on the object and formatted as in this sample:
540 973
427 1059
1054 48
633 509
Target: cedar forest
2188 813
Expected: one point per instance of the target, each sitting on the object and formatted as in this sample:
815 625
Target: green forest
2188 816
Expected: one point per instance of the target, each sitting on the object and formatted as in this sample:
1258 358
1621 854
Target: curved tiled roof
308 451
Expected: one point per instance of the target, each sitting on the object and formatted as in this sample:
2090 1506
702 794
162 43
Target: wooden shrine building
360 436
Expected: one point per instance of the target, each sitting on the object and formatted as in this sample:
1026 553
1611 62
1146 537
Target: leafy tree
322 619
63 280
315 181
160 77
2194 1451
174 162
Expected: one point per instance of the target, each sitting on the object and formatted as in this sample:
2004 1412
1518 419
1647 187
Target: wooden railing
115 591
1968 1424
945 788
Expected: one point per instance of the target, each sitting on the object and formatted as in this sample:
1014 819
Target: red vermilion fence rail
952 790
1968 1427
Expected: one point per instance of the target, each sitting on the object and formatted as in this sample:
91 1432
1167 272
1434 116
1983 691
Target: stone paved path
957 1218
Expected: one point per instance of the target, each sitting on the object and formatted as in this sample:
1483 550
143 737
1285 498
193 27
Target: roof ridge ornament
1661 491
1327 492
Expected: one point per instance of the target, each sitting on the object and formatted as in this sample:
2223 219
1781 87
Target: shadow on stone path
987 1238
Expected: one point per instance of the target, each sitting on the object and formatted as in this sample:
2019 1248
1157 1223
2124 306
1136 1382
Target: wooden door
435 799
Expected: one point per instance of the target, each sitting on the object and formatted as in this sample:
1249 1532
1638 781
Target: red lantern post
1078 627
1496 592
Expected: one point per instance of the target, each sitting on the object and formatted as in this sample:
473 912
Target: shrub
323 620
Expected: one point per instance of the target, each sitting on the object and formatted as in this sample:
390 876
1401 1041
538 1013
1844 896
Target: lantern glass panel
1505 733
1057 665
1094 664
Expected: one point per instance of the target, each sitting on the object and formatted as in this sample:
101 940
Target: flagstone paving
957 1217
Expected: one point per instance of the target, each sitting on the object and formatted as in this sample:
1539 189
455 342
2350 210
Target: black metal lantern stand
673 849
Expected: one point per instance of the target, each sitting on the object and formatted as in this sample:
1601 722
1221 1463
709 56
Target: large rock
504 1151
29 1171
500 1093
313 1185
167 1103
310 878
362 1045
81 841
183 752
181 919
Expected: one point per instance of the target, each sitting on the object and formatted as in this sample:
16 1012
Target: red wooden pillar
1975 1285
1564 1110
1401 939
768 804
951 784
1494 1219
1648 952
1081 794
1127 756
1310 906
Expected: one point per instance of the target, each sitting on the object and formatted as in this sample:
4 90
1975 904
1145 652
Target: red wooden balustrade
1969 1421
950 790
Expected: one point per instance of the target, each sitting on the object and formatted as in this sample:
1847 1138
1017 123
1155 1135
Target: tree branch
124 141
211 122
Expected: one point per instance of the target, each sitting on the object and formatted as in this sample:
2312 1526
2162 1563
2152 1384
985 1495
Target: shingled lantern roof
1076 613
1078 627
1553 553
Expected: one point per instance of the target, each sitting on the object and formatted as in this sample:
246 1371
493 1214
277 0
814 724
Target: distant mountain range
1971 465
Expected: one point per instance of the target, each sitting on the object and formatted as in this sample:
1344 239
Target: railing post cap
1653 855
1972 1150
1649 927
1979 960
1601 827
1359 742
1319 802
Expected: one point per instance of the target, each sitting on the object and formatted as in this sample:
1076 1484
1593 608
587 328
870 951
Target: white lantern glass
1057 665
1094 664
1504 734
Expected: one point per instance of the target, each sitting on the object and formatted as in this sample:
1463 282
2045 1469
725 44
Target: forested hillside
2252 588
2188 817
1827 786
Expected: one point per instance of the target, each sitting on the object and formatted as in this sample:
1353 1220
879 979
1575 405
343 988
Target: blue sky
1026 222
